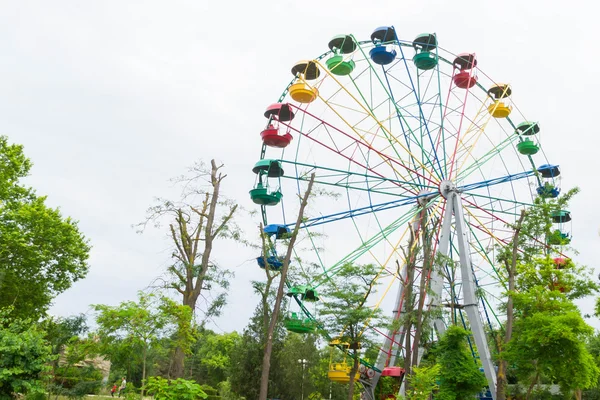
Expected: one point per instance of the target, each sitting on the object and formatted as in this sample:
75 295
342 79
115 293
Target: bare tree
266 365
195 222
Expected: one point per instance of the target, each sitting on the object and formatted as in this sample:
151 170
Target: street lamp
303 362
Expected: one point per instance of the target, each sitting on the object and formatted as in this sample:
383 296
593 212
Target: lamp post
303 362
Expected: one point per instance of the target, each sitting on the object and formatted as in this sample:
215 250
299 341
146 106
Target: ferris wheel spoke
353 180
496 181
368 244
325 219
422 116
408 133
478 163
369 113
495 205
493 218
391 162
471 135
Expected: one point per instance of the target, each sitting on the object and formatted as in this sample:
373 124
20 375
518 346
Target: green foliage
345 310
24 356
138 326
294 380
247 355
549 340
141 321
61 331
175 389
226 392
86 377
41 252
210 361
180 316
423 382
573 280
459 376
347 313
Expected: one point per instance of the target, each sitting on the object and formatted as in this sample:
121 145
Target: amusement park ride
407 134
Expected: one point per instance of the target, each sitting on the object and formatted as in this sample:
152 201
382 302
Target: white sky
113 98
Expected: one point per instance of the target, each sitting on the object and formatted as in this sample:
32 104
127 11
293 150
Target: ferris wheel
404 136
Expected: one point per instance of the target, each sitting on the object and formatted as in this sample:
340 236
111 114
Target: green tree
345 310
24 356
298 354
526 265
423 382
247 356
195 222
41 252
549 341
459 377
140 323
593 346
210 361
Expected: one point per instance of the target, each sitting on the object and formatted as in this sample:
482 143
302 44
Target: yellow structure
500 107
340 371
301 91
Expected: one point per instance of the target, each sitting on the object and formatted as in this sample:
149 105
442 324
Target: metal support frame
454 208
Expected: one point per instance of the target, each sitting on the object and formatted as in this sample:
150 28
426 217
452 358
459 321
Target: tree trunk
408 324
177 365
144 371
178 357
511 269
352 375
532 385
266 364
425 270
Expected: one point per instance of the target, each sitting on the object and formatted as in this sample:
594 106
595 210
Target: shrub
174 389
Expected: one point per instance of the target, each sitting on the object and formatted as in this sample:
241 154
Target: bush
24 355
174 389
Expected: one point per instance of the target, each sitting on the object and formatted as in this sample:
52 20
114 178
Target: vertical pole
437 280
302 384
469 297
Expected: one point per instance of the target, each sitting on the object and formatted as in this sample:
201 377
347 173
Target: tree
61 330
422 382
526 265
347 312
195 222
266 363
509 256
210 362
246 358
298 355
139 323
418 256
459 377
41 252
549 341
24 356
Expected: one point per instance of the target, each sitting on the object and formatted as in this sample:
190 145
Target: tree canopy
41 252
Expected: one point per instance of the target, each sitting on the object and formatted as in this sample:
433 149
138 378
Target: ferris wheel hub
447 187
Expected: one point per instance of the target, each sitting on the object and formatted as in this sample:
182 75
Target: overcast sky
112 98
